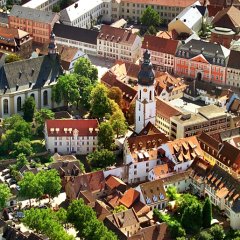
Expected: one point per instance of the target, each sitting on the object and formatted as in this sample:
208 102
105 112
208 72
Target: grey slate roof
22 73
210 51
32 14
75 33
233 61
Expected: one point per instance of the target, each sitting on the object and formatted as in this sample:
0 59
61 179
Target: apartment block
44 5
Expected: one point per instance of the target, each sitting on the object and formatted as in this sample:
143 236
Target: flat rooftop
212 111
194 119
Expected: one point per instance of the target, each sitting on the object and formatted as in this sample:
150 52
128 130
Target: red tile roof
129 197
154 43
65 127
113 182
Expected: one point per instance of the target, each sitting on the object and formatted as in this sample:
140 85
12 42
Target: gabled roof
228 18
129 197
113 182
233 60
35 72
33 14
154 43
75 33
199 58
149 129
66 127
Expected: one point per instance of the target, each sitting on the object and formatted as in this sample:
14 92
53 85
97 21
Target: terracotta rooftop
113 182
129 197
168 34
149 129
117 35
176 177
160 170
165 110
163 45
66 127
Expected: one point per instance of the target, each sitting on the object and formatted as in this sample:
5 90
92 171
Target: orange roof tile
129 197
114 182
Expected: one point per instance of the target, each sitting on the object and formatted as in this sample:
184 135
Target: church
33 77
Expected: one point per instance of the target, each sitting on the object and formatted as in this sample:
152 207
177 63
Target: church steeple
52 47
145 110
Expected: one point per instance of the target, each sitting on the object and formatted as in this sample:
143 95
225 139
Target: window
150 95
33 96
140 94
45 98
19 104
5 106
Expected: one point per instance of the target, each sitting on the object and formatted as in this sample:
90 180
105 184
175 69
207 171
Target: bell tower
145 110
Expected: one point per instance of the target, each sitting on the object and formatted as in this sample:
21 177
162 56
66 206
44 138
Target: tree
21 161
152 30
150 17
176 229
115 93
172 193
66 89
84 68
30 187
186 200
119 208
22 147
50 181
192 218
99 101
101 158
9 123
40 117
105 136
56 8
118 123
217 232
130 115
29 108
12 57
204 235
207 213
5 194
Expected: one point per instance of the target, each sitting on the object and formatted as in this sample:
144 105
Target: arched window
150 95
45 98
140 94
5 106
19 104
33 96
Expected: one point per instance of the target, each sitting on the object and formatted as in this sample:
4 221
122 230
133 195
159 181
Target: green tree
192 218
21 161
172 193
12 57
22 147
150 17
30 187
5 194
119 123
56 8
115 93
186 200
105 136
40 117
66 89
217 232
119 208
9 123
176 229
130 115
204 235
84 68
99 101
29 108
101 158
152 30
50 181
207 213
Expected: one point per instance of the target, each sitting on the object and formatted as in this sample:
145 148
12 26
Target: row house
82 13
223 154
202 61
221 187
43 5
15 41
209 119
181 152
141 154
118 43
164 111
83 39
36 22
162 52
133 9
71 136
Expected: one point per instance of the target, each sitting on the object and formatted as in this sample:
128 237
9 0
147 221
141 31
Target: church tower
145 110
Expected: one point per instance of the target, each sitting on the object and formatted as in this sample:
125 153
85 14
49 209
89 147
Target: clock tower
145 110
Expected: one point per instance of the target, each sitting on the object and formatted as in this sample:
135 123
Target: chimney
76 5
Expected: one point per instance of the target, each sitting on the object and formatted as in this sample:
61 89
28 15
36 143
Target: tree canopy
29 108
5 194
207 213
12 57
150 17
105 136
22 147
115 93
